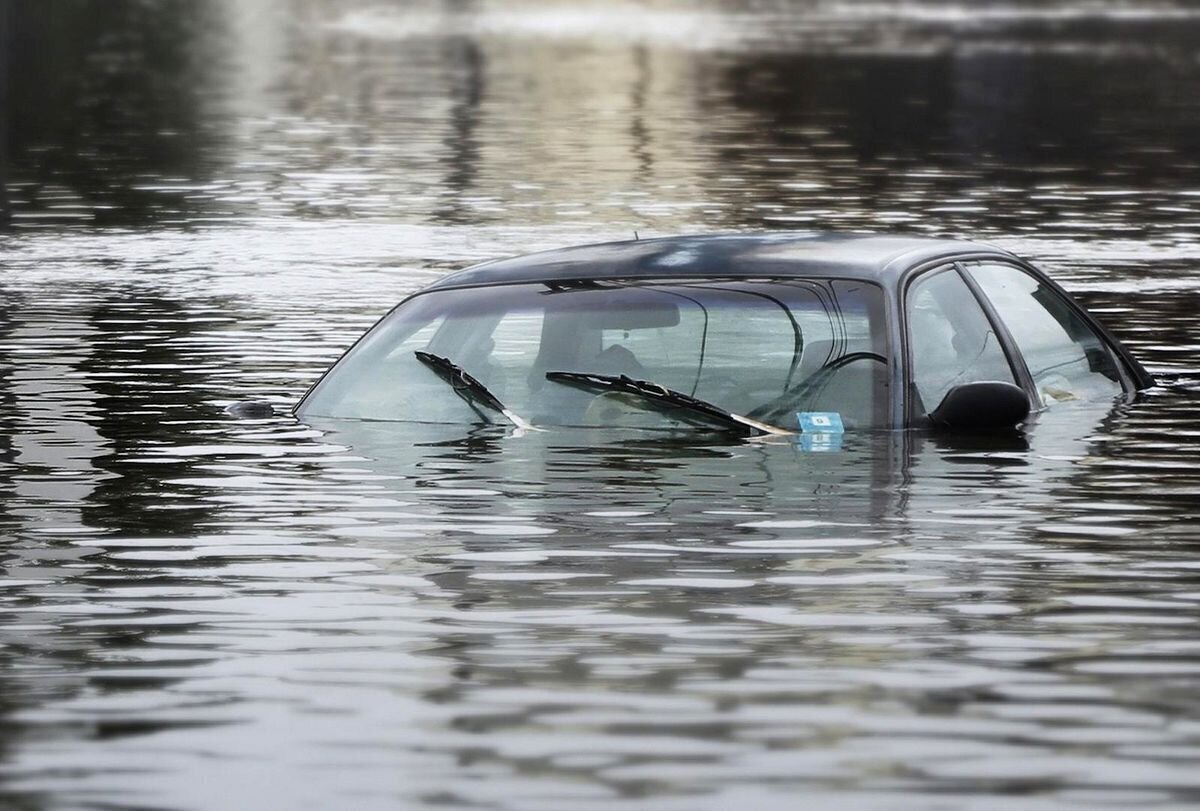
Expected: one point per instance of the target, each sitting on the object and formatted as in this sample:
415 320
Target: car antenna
635 236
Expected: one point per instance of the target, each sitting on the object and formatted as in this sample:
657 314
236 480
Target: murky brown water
210 200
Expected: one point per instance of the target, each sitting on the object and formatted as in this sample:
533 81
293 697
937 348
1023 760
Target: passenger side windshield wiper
663 399
468 388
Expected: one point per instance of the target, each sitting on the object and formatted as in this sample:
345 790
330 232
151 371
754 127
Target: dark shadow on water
860 123
462 160
6 81
1006 442
138 414
105 98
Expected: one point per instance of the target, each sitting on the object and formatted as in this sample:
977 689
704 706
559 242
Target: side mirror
251 410
982 407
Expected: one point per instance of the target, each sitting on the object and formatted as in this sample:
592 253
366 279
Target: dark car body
926 286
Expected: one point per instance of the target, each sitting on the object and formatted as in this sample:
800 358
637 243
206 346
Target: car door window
951 340
1067 359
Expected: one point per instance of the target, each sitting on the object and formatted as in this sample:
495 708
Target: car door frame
1134 376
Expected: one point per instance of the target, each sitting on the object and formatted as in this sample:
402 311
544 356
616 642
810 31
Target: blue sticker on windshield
820 422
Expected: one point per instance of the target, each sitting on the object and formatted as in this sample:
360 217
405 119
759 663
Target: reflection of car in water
751 334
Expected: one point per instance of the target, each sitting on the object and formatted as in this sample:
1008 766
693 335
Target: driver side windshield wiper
468 388
663 399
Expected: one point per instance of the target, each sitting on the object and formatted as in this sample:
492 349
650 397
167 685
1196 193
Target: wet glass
1065 356
951 341
774 348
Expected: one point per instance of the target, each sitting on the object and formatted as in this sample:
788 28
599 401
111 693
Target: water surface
210 200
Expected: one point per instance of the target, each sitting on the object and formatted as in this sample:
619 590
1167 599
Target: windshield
767 349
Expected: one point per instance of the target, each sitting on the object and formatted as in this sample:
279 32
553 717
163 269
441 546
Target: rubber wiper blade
664 399
468 388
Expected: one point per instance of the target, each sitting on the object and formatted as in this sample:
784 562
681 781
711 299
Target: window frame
1127 368
1133 376
1016 363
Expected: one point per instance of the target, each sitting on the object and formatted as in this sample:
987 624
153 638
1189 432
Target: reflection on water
836 115
210 200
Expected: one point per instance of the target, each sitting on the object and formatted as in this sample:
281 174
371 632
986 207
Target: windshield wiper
804 391
468 388
664 399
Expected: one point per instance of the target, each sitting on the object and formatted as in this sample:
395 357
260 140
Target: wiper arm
664 399
800 393
468 388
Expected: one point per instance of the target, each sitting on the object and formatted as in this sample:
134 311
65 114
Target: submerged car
752 334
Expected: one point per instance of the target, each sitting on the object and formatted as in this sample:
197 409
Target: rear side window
951 340
1067 359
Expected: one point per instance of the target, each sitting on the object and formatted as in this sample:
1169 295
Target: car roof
763 255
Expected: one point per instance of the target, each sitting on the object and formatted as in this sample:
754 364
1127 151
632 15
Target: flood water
210 200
